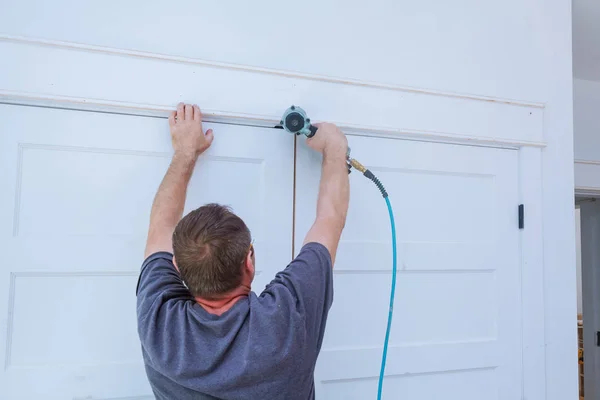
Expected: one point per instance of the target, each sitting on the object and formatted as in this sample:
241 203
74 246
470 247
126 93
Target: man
204 334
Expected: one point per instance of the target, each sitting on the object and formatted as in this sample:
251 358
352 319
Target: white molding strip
587 191
587 162
218 116
261 70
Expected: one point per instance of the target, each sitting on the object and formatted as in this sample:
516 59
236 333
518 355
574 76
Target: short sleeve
159 282
308 283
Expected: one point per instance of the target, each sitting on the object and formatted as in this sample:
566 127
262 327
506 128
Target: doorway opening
587 235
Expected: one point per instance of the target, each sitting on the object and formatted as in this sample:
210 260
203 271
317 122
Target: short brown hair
210 245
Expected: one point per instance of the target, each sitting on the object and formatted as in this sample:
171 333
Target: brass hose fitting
357 166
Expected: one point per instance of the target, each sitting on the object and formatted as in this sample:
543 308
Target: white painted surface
532 267
458 304
397 108
77 192
559 275
468 71
586 119
586 122
432 41
586 39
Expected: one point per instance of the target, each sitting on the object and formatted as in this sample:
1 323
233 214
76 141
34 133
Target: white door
74 206
456 329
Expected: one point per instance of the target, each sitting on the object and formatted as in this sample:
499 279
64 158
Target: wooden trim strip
261 70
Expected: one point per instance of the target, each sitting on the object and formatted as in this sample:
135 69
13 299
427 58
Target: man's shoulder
159 283
305 282
314 250
312 265
159 260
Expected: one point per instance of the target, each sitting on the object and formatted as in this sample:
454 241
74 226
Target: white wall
483 73
586 123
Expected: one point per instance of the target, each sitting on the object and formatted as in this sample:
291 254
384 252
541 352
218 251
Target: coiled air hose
367 173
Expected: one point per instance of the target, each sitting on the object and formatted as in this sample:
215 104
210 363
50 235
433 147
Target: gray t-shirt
264 347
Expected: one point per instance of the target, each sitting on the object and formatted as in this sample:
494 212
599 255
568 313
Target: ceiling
586 39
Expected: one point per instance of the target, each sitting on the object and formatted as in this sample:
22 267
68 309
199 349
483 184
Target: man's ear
249 263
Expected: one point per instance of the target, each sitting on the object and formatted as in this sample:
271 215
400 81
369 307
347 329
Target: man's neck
222 303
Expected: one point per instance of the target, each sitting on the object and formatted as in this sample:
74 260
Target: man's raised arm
189 141
332 204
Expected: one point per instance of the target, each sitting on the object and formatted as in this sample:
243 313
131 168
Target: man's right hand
329 141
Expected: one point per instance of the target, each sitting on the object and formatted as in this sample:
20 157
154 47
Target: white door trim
220 116
532 269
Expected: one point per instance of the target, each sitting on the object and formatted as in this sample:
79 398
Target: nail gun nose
296 121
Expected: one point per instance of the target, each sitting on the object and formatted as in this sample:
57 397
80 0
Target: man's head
213 251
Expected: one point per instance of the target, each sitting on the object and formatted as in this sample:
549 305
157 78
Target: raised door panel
77 188
456 332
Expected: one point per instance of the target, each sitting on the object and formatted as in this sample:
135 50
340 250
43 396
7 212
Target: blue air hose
392 295
367 173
